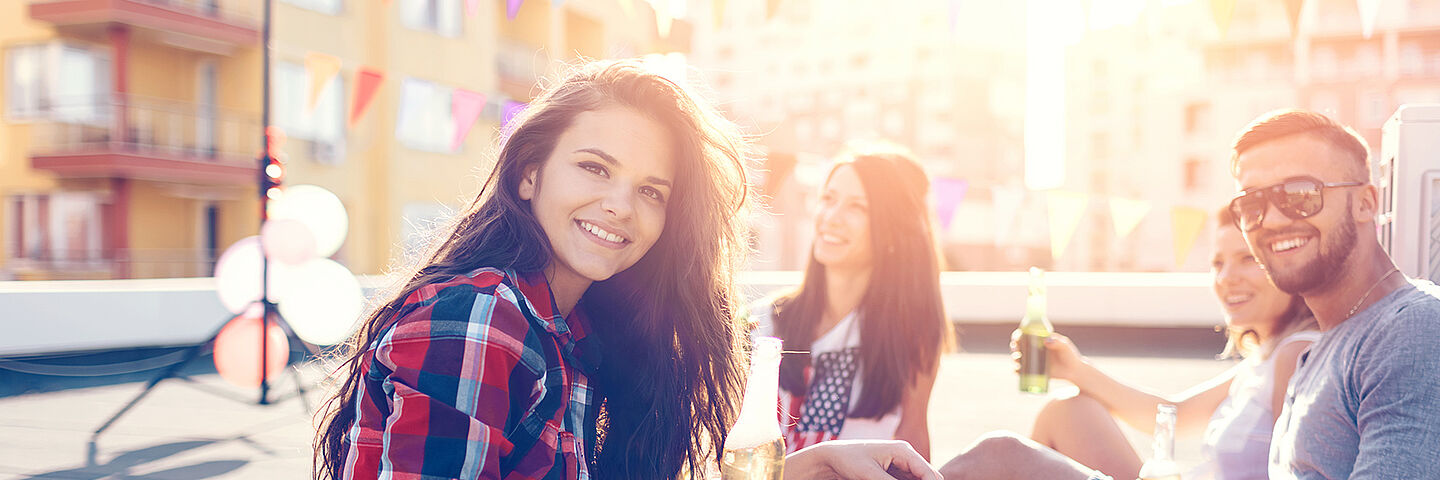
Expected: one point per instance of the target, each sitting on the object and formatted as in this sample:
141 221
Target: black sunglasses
1296 197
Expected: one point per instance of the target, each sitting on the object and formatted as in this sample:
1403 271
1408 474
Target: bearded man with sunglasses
1365 400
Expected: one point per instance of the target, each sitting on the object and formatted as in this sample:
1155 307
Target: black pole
268 307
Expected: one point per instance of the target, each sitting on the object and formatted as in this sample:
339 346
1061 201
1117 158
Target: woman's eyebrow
610 159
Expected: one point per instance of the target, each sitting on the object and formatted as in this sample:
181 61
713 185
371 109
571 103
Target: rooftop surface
203 428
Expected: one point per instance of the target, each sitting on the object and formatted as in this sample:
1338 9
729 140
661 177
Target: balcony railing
96 264
145 125
203 24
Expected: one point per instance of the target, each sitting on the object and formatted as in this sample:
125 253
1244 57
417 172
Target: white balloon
321 301
319 210
288 241
237 275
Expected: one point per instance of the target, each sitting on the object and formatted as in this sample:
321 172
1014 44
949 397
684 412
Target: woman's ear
528 181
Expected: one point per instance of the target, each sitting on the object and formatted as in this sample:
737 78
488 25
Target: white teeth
1284 245
828 238
1236 298
600 232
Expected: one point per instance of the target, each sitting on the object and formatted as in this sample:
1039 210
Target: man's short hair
1284 123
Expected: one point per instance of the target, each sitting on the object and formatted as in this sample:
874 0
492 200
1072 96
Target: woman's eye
594 168
653 194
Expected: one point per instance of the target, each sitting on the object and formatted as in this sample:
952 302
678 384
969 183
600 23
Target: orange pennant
321 68
1292 13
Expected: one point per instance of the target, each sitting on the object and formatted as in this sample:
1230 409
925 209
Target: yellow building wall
16 177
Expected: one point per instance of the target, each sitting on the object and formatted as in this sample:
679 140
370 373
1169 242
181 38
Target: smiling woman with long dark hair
868 311
575 321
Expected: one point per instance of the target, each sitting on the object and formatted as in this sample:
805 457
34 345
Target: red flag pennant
367 81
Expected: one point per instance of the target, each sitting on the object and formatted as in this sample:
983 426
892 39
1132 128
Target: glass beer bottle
1034 329
1161 465
755 448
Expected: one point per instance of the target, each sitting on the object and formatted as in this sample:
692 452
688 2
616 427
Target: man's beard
1326 267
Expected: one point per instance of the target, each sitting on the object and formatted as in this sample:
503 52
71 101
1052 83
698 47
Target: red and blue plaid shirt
476 377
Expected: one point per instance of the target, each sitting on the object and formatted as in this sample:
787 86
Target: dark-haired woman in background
868 311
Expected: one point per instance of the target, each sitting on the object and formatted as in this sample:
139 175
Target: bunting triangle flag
471 6
1223 10
512 8
663 20
1185 224
771 7
949 192
367 81
628 6
1369 13
954 15
1292 13
1066 210
508 113
465 107
1126 214
1006 202
718 12
321 68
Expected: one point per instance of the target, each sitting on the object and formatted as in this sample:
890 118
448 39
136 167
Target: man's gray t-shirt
1365 401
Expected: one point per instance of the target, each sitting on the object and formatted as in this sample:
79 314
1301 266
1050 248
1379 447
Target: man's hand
859 459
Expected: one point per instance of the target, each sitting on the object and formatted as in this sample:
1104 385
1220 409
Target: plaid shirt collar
573 332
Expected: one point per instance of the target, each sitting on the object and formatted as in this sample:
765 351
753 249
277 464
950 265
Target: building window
55 228
424 122
57 81
325 124
323 6
442 17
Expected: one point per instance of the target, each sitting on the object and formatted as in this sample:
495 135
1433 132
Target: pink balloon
288 241
237 351
237 274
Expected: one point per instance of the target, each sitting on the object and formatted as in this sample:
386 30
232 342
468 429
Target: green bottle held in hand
1034 329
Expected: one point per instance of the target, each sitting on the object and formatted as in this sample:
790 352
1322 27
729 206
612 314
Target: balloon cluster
319 298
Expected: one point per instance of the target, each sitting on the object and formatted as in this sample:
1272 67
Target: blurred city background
131 128
1090 138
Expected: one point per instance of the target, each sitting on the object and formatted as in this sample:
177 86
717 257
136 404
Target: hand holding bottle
1061 356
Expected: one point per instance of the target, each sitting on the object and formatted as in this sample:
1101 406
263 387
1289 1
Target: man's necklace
1367 293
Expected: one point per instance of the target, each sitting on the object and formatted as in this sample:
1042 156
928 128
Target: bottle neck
1035 319
759 419
1164 443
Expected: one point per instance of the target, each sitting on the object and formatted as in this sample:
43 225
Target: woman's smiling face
1250 300
601 195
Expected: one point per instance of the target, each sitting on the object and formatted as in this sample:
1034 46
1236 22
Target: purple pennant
512 108
949 192
512 8
954 15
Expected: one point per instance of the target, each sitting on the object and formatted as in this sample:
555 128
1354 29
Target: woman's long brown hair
668 384
902 317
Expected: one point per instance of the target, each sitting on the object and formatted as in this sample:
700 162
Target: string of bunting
1065 210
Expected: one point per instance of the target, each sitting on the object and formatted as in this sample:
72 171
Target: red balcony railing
140 137
197 24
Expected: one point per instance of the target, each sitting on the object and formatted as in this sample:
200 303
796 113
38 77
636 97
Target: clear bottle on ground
1034 329
755 448
1161 465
